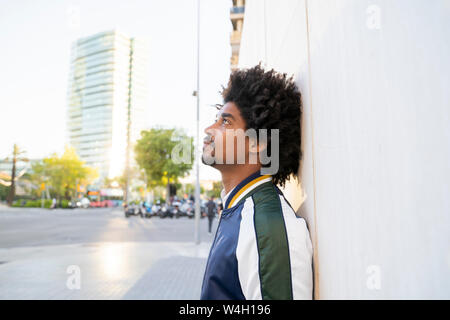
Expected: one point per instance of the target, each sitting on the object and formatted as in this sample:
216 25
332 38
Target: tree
115 182
63 173
189 189
215 192
3 191
16 156
127 180
158 151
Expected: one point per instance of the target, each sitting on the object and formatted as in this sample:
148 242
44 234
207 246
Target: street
99 254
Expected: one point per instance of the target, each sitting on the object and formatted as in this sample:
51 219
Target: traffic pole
197 143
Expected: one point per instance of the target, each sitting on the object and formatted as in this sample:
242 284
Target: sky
36 37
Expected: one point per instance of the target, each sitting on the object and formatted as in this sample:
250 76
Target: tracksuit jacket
261 249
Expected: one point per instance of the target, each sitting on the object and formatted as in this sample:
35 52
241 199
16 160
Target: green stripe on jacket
272 242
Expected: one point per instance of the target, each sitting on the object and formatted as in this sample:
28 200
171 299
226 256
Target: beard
208 157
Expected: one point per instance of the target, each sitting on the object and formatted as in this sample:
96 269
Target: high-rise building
237 20
107 99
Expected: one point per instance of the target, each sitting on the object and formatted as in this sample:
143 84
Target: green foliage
16 203
62 173
15 157
215 192
31 203
47 203
158 193
160 199
3 192
154 155
189 188
64 204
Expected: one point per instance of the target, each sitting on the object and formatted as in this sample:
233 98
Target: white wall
375 79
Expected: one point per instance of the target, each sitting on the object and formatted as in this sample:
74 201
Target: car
84 203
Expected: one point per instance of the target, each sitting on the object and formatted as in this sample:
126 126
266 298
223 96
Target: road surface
99 254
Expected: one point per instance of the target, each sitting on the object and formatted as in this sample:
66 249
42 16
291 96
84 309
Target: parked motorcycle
190 210
176 209
154 210
166 211
132 210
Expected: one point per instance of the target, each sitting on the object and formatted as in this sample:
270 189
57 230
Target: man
211 209
261 249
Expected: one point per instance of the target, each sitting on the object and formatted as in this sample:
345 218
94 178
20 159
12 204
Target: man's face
223 138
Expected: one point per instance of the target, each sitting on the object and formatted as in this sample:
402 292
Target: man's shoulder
265 197
269 204
264 200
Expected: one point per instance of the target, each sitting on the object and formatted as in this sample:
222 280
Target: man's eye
226 121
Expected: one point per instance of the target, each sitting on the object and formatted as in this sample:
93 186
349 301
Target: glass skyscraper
107 99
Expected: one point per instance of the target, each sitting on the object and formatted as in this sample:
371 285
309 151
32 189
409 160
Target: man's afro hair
270 100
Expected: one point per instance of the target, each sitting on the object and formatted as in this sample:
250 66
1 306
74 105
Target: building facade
375 134
107 99
237 20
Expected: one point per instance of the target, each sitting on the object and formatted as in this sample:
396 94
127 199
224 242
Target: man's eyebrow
227 115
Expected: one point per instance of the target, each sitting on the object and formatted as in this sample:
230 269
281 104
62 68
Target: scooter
176 210
166 211
132 210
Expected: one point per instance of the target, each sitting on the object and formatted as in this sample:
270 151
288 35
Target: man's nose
210 130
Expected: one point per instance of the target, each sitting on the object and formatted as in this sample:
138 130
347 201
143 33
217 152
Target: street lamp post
197 143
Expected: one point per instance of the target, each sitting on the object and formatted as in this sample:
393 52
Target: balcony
237 12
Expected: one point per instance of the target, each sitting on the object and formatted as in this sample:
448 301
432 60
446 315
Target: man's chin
208 160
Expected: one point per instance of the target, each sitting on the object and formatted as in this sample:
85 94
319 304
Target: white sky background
36 36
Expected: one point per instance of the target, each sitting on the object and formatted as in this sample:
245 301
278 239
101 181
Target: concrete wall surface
375 81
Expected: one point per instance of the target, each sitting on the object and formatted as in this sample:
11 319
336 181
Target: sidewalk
3 206
108 270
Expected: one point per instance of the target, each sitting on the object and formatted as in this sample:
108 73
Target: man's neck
233 175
